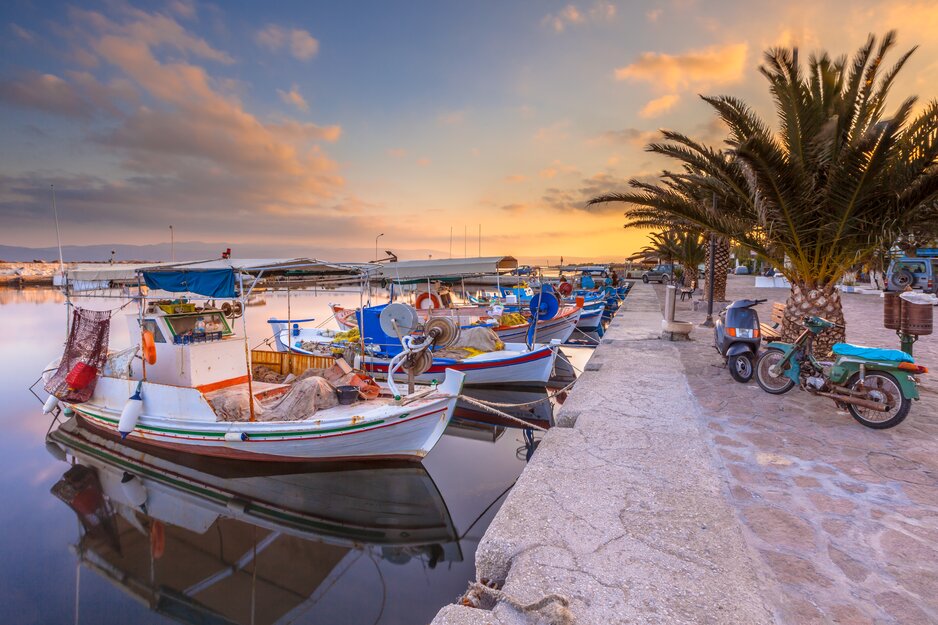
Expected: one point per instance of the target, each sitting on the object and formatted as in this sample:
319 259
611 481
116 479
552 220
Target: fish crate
285 362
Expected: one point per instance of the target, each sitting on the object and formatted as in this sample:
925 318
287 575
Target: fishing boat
560 327
207 541
194 390
512 363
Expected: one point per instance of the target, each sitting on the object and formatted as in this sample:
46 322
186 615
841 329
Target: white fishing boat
485 361
194 391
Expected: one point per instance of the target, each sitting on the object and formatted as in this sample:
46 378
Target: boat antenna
58 238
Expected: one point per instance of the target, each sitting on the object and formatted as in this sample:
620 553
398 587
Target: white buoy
134 490
50 404
131 413
235 437
57 452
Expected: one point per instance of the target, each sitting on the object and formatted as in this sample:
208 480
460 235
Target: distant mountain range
199 250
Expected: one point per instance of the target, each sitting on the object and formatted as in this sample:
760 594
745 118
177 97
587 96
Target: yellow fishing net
351 336
512 319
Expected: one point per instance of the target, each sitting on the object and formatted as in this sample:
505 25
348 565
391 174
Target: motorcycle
736 336
875 385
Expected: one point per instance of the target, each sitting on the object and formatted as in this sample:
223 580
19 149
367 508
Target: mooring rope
558 613
499 413
547 397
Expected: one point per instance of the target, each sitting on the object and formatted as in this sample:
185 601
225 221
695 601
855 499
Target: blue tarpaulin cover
871 353
210 283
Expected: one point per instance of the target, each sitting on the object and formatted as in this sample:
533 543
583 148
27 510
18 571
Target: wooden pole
247 348
289 334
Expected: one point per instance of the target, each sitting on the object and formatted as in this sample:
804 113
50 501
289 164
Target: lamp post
376 245
172 244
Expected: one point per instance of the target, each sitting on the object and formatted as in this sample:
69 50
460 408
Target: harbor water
230 542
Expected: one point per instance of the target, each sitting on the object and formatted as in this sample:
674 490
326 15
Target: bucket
916 319
892 306
347 394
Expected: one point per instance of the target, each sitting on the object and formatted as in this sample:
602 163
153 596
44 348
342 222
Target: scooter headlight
742 333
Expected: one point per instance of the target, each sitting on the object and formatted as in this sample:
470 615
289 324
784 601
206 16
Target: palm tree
836 182
684 246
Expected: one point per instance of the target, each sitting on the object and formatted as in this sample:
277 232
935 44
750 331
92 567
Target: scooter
736 336
876 385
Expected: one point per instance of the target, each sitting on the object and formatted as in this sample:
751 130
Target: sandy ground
842 519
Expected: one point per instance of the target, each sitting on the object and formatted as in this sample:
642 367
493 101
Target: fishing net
85 351
306 396
472 342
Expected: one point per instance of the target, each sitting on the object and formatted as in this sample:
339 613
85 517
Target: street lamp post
172 244
376 245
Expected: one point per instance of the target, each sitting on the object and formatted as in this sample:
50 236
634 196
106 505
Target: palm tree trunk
806 300
721 267
688 277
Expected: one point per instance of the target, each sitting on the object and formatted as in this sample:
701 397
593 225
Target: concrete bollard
670 329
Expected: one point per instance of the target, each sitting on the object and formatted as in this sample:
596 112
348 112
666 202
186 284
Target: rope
499 413
558 614
547 397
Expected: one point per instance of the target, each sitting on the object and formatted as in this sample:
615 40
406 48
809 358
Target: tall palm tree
837 181
683 246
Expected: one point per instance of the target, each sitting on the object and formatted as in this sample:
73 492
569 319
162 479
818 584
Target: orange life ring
565 289
434 301
149 347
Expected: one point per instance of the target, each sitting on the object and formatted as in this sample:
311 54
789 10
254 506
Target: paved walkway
673 494
844 518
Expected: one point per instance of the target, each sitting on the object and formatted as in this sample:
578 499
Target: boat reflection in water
213 541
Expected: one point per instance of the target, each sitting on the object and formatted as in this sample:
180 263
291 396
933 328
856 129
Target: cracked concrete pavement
671 494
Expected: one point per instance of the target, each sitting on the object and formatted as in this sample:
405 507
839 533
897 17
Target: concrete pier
622 510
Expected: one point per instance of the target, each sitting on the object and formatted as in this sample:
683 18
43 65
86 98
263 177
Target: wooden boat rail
286 362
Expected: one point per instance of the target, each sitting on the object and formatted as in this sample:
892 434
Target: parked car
660 273
918 273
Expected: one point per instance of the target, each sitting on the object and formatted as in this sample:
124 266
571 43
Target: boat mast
58 238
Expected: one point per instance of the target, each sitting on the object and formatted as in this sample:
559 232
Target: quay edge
622 510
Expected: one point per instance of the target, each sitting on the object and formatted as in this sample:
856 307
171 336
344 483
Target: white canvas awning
447 267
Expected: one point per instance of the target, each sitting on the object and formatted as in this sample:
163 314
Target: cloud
515 178
183 8
453 118
575 199
397 152
626 136
302 45
423 161
293 97
554 132
45 92
22 33
513 208
571 14
695 69
193 145
654 15
659 105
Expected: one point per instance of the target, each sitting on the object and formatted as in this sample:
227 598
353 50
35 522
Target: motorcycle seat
871 353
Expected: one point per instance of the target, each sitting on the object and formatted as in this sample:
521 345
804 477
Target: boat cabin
194 348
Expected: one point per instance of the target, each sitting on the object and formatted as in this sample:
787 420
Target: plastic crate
188 339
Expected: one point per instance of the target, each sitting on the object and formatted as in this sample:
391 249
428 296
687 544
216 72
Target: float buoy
134 490
565 289
428 300
80 376
131 413
149 347
50 404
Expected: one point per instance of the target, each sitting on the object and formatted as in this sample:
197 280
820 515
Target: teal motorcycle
875 385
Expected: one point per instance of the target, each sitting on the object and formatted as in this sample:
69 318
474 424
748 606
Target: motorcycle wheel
776 385
741 367
880 387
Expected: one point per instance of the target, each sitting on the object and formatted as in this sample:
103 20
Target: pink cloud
714 65
302 45
293 98
45 92
659 105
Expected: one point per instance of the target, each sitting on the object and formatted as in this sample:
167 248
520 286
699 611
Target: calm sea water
216 544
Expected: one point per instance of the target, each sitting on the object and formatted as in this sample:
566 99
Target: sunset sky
325 124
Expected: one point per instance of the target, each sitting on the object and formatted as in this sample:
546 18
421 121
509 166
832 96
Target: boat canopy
216 278
447 267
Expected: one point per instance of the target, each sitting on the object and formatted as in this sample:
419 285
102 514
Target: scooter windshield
741 318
